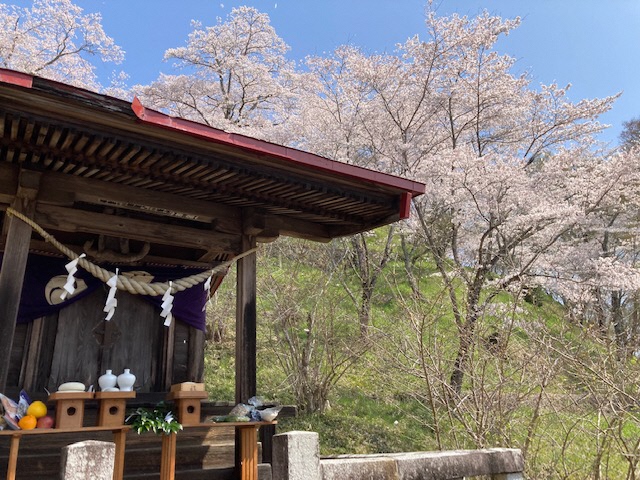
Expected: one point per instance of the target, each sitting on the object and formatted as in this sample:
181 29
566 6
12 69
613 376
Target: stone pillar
296 456
89 459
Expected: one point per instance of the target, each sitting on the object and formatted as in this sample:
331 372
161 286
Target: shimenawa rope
125 283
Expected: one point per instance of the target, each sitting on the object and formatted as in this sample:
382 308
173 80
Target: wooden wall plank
195 365
131 340
77 350
29 361
45 353
20 339
36 361
180 352
167 356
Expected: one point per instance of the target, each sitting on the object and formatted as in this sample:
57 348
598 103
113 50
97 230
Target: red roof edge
405 205
260 147
16 78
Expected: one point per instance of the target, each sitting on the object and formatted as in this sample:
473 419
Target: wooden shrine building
138 190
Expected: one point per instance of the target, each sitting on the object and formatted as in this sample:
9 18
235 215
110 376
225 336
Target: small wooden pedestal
111 407
187 405
70 408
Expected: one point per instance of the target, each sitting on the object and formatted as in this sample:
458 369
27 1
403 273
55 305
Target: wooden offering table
248 448
119 438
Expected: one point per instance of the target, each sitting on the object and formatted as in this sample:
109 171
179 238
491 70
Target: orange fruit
37 409
28 422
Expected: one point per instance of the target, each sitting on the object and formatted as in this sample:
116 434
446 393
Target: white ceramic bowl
269 414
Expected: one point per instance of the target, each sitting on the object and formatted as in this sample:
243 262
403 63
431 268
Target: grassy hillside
535 381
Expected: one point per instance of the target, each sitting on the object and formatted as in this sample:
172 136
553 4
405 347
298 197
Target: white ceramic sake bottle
108 380
126 381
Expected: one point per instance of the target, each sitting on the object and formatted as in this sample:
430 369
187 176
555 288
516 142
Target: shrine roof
110 153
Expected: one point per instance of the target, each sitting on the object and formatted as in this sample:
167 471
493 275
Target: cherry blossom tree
509 165
235 75
495 151
598 278
56 40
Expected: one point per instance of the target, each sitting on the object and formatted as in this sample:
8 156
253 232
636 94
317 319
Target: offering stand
70 408
188 405
111 407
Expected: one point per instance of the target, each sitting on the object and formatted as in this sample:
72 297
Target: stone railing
296 457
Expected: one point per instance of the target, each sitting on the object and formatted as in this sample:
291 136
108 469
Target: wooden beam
61 189
8 182
45 248
271 226
74 220
342 230
246 323
291 227
14 262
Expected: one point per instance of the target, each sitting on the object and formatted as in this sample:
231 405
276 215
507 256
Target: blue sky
592 44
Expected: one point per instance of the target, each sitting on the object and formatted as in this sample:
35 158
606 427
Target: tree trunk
467 333
407 256
618 324
460 365
368 269
365 309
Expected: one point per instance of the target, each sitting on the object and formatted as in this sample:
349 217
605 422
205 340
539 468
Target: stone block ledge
297 459
451 464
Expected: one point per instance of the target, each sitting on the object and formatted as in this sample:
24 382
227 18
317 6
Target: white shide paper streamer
70 286
167 305
207 288
111 303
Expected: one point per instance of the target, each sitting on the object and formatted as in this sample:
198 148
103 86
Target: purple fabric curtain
45 276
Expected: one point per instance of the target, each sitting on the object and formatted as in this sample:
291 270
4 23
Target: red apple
45 422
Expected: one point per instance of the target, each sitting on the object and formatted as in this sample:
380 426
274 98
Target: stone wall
296 457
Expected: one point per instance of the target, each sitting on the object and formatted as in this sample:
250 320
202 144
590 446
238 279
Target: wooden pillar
246 323
14 262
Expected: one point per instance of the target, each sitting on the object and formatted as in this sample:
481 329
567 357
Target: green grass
360 424
373 410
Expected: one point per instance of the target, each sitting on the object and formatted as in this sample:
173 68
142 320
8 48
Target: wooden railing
119 438
247 434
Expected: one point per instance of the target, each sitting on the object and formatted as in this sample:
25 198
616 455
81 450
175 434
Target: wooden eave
118 169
